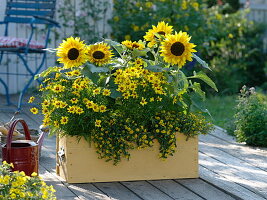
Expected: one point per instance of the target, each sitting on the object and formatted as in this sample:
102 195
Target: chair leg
31 79
1 56
7 92
27 66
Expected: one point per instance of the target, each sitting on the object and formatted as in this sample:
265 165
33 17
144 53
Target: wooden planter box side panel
83 165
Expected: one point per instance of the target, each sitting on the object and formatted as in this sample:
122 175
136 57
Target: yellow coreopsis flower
64 120
106 92
31 99
34 110
98 123
143 101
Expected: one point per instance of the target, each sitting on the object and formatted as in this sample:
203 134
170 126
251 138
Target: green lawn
221 109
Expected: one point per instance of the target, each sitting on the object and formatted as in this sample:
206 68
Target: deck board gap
131 190
190 189
160 190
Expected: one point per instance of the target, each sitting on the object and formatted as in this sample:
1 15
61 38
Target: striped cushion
18 42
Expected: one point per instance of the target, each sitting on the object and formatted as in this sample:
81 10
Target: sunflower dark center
177 48
161 32
73 54
98 55
135 46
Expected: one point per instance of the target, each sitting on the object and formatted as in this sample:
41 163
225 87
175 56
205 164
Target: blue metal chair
34 13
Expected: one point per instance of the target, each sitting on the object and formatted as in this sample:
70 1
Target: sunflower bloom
99 54
72 52
176 49
161 29
133 45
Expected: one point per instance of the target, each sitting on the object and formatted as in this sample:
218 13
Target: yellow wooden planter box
81 163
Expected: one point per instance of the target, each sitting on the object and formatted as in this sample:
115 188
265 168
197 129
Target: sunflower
162 29
99 54
176 49
133 45
72 52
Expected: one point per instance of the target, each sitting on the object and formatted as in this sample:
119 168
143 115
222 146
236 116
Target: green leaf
137 52
197 88
180 82
202 76
154 68
113 88
117 46
198 103
202 62
114 93
95 69
46 72
93 76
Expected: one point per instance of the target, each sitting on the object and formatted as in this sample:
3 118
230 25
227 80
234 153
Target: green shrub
236 51
251 118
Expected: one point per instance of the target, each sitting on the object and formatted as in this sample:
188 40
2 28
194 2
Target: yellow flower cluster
16 185
133 80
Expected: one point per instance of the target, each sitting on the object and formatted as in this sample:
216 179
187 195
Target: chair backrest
22 11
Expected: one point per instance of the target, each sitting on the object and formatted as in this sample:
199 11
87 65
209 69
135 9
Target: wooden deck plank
62 192
87 191
256 157
227 185
233 174
175 190
204 189
239 167
145 190
116 191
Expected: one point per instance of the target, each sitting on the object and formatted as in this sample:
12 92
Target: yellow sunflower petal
162 29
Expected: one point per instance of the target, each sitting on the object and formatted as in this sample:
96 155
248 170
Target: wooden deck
228 170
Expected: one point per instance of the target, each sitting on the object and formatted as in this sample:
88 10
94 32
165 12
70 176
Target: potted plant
124 101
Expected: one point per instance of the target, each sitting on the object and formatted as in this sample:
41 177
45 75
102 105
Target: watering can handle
10 134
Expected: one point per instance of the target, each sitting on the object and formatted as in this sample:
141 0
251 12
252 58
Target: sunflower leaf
93 76
202 62
154 68
137 52
46 72
197 88
117 46
202 76
95 69
198 103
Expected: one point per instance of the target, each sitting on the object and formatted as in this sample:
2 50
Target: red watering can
24 154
